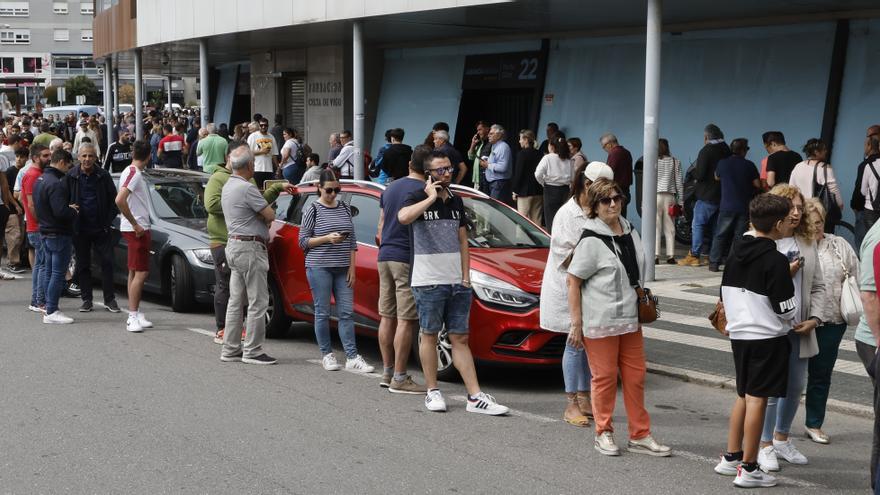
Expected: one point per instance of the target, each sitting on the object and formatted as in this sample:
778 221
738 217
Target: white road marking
841 366
202 331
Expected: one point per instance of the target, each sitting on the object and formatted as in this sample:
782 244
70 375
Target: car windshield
182 199
493 225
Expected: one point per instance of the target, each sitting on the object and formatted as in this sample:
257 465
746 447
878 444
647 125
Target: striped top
319 220
669 176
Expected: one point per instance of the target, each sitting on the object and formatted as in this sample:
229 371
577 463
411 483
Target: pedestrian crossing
679 294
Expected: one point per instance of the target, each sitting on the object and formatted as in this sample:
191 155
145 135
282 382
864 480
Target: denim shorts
443 305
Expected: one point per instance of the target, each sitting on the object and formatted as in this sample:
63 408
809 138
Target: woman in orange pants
607 264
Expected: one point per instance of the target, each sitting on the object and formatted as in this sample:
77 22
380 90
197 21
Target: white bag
850 297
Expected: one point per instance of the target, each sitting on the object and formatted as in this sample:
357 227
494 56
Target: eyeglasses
613 199
332 190
442 170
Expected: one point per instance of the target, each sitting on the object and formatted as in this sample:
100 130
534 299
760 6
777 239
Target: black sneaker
86 307
261 359
16 269
112 306
714 268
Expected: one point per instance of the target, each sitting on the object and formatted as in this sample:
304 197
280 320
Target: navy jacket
52 202
107 210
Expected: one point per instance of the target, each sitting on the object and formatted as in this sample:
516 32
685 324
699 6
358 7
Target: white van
64 111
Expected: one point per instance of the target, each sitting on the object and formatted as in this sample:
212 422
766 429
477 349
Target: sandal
580 421
584 404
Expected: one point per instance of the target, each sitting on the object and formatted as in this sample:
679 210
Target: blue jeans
293 173
575 370
501 190
443 305
56 251
703 226
38 291
729 228
323 282
781 410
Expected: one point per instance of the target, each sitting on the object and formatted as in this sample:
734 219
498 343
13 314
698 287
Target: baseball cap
598 170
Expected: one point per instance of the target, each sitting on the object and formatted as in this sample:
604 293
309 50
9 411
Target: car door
286 259
365 216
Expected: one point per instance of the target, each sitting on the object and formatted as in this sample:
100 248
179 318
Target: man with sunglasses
440 281
263 145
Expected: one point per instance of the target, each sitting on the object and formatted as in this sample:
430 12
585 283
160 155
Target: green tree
50 93
82 85
158 98
126 93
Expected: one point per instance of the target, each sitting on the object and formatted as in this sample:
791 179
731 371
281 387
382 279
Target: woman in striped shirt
669 192
327 238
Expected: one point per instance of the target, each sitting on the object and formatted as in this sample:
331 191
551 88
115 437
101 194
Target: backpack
823 193
875 201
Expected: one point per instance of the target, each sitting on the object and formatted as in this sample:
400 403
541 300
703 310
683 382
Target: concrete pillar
108 100
203 81
138 96
357 92
652 114
170 108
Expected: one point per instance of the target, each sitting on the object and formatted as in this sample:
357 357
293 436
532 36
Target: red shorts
138 251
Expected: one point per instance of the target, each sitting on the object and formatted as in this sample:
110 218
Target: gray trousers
249 263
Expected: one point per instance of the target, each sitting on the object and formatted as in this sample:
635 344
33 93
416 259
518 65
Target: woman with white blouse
815 165
554 173
567 228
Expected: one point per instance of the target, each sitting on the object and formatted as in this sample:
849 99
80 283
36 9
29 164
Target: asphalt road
90 408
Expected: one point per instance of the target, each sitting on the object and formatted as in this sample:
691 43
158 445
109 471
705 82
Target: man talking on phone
440 281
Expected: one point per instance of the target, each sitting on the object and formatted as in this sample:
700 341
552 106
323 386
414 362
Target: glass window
60 8
15 36
62 35
75 63
86 35
493 225
14 9
7 65
183 199
86 8
33 65
365 215
295 216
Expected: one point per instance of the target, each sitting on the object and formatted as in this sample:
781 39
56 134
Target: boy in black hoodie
758 296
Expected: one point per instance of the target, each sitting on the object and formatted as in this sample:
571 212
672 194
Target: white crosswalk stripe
678 290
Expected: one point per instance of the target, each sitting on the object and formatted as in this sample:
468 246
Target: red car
508 254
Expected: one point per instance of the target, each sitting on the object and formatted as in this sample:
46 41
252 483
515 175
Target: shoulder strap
604 238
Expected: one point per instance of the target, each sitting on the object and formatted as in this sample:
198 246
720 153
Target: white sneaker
133 325
358 365
604 444
58 318
434 401
789 452
727 468
754 479
329 363
37 309
143 321
767 459
484 403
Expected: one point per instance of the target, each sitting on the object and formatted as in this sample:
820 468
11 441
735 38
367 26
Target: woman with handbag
554 173
669 194
815 179
800 248
606 269
568 224
840 269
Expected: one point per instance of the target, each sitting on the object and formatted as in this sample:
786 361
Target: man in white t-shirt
265 153
133 203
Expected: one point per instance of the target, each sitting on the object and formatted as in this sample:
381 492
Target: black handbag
833 215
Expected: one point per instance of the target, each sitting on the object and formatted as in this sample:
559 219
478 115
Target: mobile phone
345 234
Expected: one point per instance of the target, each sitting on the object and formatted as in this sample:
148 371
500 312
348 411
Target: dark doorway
511 108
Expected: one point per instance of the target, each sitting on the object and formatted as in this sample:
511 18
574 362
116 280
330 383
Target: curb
729 383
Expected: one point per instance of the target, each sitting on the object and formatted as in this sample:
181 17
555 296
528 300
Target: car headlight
492 290
203 255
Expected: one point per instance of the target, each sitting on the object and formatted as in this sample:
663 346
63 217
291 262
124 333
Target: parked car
507 252
181 265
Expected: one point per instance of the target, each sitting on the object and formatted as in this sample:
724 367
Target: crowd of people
784 289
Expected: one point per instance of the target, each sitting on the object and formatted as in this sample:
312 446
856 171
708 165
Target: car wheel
180 284
71 287
683 230
445 369
277 321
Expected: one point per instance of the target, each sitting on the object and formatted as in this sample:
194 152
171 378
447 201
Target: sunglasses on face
608 201
332 190
442 170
